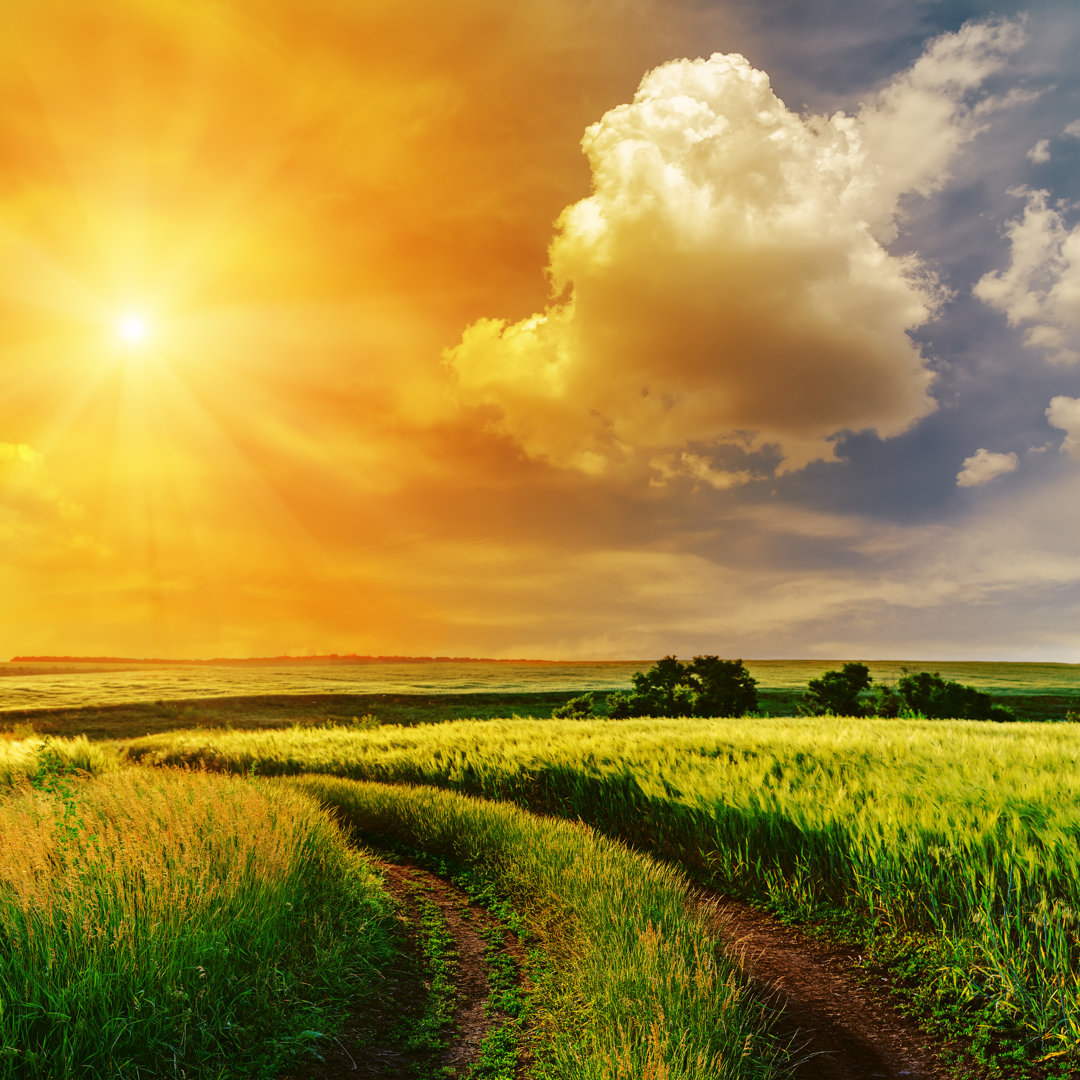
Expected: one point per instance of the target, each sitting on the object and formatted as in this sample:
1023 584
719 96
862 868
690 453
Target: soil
369 1046
840 1028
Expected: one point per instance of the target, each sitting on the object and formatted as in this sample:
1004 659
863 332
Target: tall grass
638 990
22 760
963 835
174 925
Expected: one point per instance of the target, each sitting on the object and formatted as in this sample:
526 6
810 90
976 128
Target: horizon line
393 658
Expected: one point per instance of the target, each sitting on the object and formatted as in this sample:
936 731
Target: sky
546 330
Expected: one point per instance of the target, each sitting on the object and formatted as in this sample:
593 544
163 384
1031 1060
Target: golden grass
165 923
22 759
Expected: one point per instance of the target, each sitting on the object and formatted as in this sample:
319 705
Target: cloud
25 487
1040 289
698 468
727 282
915 126
38 522
1064 413
1039 154
1073 129
984 466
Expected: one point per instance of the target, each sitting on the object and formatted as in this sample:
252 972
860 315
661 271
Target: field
179 924
28 686
112 701
961 834
945 853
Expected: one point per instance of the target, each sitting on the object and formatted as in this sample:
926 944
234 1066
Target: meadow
947 850
950 848
179 924
159 924
49 685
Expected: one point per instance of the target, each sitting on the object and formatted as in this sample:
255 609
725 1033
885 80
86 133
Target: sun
133 328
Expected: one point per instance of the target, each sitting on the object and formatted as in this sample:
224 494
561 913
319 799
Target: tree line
708 686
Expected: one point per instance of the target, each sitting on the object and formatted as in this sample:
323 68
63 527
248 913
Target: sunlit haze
540 329
133 329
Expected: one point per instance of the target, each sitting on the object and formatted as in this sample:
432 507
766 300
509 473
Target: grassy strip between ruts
437 950
950 847
500 1048
637 988
176 925
437 1031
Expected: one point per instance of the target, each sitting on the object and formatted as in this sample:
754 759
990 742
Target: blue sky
901 560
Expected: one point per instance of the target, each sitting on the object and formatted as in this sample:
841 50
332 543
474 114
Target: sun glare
132 329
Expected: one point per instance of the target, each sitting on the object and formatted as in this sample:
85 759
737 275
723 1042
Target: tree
663 690
927 694
884 701
723 687
836 693
708 686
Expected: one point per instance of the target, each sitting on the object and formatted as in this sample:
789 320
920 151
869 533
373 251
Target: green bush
928 694
918 694
708 686
577 708
836 693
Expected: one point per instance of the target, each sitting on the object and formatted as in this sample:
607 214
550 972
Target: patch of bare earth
369 1047
840 1028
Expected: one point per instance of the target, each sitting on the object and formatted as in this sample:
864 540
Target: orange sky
364 417
307 203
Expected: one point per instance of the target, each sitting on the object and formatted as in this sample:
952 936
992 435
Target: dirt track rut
357 1055
841 1029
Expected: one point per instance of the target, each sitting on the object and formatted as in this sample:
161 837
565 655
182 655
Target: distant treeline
328 658
711 687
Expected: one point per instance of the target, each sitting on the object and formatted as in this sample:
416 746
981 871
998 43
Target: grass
507 1000
109 722
23 760
175 925
100 722
949 849
951 845
183 924
500 1047
637 988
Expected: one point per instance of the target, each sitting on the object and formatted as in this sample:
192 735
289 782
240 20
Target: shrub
927 694
883 700
836 693
577 708
708 686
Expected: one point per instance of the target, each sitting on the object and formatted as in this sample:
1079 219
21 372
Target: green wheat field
201 901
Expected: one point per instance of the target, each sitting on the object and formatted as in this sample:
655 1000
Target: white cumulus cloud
727 281
1040 288
1064 413
984 466
1039 154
